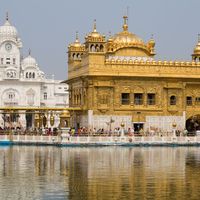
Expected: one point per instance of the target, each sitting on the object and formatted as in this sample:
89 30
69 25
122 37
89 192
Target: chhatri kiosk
117 80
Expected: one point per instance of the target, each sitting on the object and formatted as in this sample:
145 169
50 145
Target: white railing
99 139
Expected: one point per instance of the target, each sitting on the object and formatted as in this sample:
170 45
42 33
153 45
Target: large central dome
127 37
129 44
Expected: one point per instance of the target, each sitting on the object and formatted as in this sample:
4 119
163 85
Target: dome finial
95 26
109 34
199 38
125 25
77 39
7 16
29 52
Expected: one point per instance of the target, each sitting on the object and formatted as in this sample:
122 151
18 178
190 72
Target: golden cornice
100 39
150 62
77 48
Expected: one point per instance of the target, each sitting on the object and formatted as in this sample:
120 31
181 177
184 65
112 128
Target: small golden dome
152 42
197 49
77 42
94 33
196 52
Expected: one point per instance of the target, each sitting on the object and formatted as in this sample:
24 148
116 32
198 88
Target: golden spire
77 39
95 26
125 25
198 38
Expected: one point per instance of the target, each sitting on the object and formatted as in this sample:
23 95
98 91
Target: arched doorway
193 124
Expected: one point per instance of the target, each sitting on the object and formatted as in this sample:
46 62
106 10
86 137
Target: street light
122 129
174 128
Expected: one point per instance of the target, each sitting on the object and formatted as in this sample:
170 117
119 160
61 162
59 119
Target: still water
51 173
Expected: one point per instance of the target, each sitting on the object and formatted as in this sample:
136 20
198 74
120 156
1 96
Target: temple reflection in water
106 173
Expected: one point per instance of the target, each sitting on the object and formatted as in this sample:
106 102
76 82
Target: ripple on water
45 173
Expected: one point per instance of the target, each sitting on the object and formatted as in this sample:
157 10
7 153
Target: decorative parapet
150 62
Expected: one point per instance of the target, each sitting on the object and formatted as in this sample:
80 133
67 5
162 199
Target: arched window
33 74
74 55
30 75
26 74
78 56
173 100
97 48
101 48
92 48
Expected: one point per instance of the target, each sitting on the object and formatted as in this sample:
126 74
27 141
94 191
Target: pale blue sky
48 26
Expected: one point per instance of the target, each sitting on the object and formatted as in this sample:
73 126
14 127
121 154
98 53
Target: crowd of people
83 131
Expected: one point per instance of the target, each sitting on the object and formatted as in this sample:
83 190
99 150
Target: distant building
117 80
23 84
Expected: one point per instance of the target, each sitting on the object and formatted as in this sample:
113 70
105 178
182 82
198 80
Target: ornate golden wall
124 66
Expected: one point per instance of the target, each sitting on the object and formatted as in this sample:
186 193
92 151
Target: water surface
45 173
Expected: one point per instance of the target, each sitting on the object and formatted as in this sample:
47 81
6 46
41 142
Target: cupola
76 50
196 52
29 61
9 32
94 41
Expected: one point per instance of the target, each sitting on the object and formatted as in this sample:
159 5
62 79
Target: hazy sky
48 26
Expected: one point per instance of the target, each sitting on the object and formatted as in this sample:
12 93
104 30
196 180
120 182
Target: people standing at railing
73 131
185 132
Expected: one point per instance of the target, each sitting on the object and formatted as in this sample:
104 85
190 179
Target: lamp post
52 120
122 129
174 129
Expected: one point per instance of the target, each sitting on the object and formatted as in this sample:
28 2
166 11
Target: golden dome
197 48
95 36
76 43
126 37
94 33
152 42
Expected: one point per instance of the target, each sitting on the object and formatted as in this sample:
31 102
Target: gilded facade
118 80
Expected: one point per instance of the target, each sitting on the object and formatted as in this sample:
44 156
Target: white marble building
22 83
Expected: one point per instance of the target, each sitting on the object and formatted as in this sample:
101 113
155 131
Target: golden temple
118 80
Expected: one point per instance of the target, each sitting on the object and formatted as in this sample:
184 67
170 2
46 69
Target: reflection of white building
22 82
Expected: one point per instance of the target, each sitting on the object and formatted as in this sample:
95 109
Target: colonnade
31 119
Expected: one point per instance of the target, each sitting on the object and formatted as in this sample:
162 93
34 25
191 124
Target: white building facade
23 84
